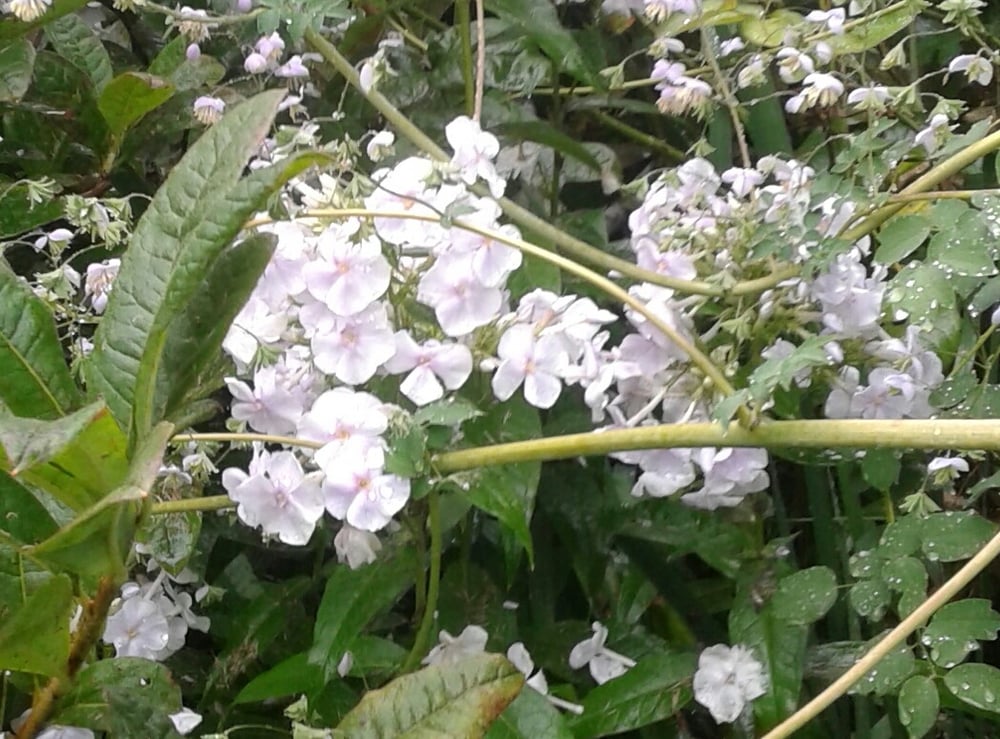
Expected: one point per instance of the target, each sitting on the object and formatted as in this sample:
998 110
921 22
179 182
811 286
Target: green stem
673 154
187 505
422 639
265 438
464 24
728 98
958 434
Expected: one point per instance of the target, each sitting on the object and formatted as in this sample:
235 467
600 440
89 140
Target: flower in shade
208 109
727 680
28 10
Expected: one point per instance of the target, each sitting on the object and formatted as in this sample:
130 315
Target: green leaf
544 133
530 716
870 598
900 237
954 536
964 249
30 442
407 446
35 638
12 28
957 628
783 371
805 596
289 677
18 213
77 42
191 219
506 491
17 60
539 22
880 468
22 515
908 577
975 684
918 705
36 380
656 688
125 697
171 538
926 297
195 337
900 538
451 411
97 542
458 700
886 677
129 96
353 598
872 32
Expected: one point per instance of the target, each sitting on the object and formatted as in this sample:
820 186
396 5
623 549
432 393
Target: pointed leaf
36 380
805 596
129 96
655 689
35 638
29 442
530 716
77 42
17 59
458 700
18 213
22 516
188 223
194 339
353 598
13 28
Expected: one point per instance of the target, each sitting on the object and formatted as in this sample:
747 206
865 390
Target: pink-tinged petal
542 390
407 356
421 386
453 364
507 379
517 343
232 478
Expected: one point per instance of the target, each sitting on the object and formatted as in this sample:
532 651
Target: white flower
98 283
357 491
833 19
137 629
270 407
475 151
340 417
518 655
429 365
380 145
538 362
933 136
208 109
604 663
793 65
977 69
277 496
185 721
461 303
952 464
820 89
450 649
727 679
353 348
28 10
356 547
872 98
347 276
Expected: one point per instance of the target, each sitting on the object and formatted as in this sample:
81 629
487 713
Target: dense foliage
513 368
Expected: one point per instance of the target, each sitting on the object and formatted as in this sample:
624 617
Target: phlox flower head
358 491
348 275
537 362
431 367
461 302
475 151
277 496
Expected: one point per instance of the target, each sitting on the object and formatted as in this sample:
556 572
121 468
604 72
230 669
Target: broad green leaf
656 688
22 516
869 33
19 214
769 30
713 13
194 339
880 468
900 237
191 219
17 59
900 538
957 628
954 536
870 598
805 596
918 705
291 676
458 700
35 638
29 442
97 542
407 447
925 297
538 21
965 249
530 716
353 598
375 655
94 463
506 491
129 96
36 380
125 697
908 577
12 28
77 42
975 684
447 412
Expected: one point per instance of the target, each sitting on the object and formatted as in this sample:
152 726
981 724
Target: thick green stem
810 434
422 639
187 505
464 25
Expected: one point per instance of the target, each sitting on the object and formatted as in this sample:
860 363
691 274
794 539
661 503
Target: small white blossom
727 680
604 663
977 68
450 649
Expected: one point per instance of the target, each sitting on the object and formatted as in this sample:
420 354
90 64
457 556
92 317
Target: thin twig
477 108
